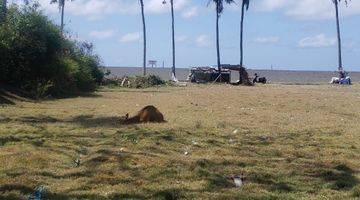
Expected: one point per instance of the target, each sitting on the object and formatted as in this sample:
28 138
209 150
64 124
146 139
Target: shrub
135 81
145 81
35 56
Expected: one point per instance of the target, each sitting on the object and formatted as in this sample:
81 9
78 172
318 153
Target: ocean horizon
273 76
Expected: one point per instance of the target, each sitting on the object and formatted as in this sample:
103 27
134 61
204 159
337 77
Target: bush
37 58
145 81
135 81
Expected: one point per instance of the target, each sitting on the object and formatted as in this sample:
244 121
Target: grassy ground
291 142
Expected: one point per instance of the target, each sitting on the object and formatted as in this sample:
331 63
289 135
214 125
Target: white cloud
271 5
93 9
130 37
181 38
102 34
190 13
317 41
308 9
156 6
203 41
267 40
98 9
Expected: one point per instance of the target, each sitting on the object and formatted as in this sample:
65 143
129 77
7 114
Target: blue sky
287 34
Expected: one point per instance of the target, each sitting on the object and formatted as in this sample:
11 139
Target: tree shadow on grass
91 121
80 174
17 191
5 101
8 95
39 119
88 121
17 187
140 91
341 177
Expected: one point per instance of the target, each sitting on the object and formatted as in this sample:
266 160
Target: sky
284 34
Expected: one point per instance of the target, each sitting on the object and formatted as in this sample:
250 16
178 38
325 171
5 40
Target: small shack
209 74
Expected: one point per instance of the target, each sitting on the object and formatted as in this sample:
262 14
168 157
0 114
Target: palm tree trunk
62 16
218 42
173 36
340 67
241 42
144 36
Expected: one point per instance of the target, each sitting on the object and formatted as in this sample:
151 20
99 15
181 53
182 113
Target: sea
273 76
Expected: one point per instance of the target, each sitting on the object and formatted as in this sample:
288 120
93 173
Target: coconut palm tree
144 35
173 71
336 3
62 8
219 5
245 4
3 10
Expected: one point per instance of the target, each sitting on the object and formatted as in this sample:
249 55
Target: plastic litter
238 181
38 194
77 162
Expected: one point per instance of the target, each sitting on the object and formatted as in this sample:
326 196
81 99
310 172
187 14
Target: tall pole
241 41
144 36
217 38
62 16
173 36
340 67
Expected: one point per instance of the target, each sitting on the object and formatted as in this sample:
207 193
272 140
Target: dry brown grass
292 142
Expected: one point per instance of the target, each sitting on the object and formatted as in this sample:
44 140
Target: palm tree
173 37
245 4
3 10
144 35
219 10
336 3
62 7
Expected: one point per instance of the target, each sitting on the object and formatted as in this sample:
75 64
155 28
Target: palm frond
338 1
246 3
220 4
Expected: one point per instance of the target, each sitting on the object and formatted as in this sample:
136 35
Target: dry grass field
290 141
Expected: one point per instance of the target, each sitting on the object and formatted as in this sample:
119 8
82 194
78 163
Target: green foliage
135 81
145 81
35 57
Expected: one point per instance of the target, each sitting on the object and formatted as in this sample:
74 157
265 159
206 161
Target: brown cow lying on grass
149 114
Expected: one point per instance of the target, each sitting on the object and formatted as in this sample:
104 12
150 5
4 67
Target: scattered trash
186 153
195 104
173 78
77 162
251 109
238 180
264 138
195 143
236 131
38 194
